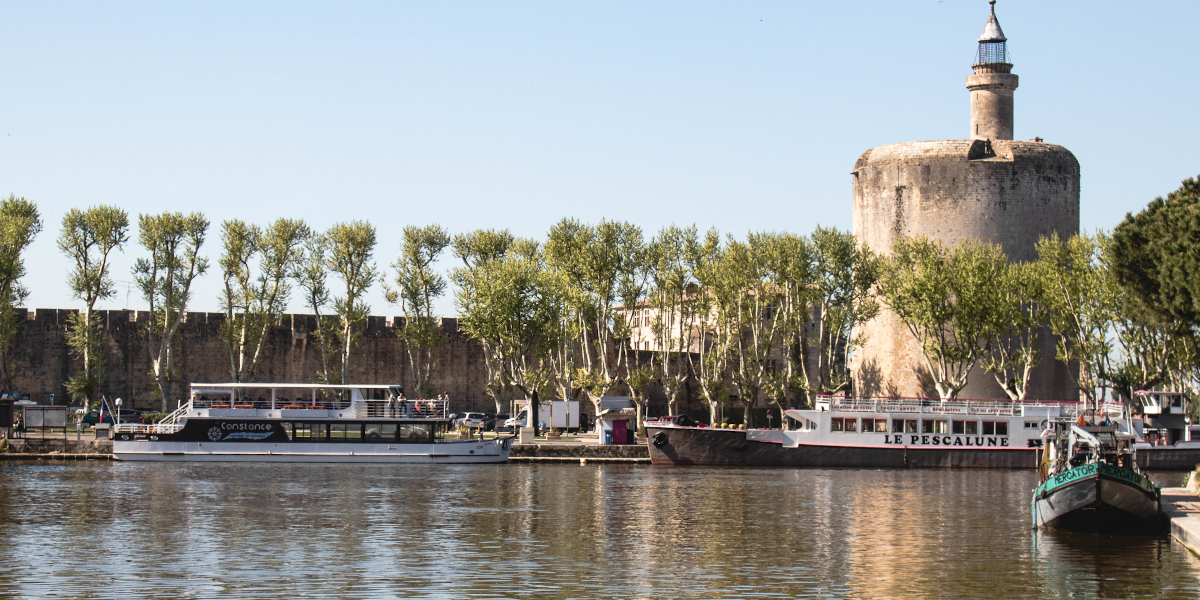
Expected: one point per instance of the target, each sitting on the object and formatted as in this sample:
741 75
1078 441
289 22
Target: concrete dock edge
1182 507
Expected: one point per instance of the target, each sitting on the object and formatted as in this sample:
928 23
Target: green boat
1091 482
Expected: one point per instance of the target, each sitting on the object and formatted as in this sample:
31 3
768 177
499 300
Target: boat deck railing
363 409
169 424
962 406
269 404
401 409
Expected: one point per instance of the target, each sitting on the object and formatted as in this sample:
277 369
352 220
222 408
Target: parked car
473 420
129 415
93 417
498 422
125 416
521 419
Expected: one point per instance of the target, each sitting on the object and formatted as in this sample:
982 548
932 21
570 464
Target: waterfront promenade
582 448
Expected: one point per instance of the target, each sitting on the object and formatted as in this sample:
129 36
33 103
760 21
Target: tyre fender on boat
659 439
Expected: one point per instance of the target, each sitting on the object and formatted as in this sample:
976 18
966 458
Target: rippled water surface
120 530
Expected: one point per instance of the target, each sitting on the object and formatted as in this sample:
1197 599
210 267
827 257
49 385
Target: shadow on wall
871 382
925 380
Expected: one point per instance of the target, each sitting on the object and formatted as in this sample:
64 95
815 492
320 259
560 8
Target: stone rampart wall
41 361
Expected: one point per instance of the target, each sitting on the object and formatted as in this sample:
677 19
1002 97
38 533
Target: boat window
1031 424
380 432
933 426
843 424
904 425
965 427
874 425
995 428
349 432
287 428
415 432
308 432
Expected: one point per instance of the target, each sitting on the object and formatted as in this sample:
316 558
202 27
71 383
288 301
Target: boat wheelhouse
294 422
878 433
1168 440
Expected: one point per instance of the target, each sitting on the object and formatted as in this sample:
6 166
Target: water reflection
564 531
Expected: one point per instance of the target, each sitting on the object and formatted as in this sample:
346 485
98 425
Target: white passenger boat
324 423
876 433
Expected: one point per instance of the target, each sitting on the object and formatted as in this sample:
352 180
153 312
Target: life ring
3 444
660 439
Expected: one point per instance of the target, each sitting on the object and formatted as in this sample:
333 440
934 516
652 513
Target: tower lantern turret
992 85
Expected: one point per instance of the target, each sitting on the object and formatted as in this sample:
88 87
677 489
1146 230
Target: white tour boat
325 423
877 433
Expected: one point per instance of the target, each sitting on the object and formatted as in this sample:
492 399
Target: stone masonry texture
1004 192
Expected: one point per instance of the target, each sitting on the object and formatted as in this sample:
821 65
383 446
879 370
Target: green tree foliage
87 238
173 241
478 250
1082 298
256 265
844 274
19 224
591 262
312 277
350 249
715 305
417 287
1156 256
791 259
756 283
1018 317
946 298
515 304
675 324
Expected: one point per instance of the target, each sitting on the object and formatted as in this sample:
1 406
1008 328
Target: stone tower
988 187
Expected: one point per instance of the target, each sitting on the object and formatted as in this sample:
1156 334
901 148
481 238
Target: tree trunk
346 356
533 412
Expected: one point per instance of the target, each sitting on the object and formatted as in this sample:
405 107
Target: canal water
120 530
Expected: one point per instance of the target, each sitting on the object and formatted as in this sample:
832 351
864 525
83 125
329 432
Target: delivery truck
563 414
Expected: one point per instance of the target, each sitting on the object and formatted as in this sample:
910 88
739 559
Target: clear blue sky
740 115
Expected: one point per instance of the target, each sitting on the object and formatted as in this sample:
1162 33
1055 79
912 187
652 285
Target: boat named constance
325 423
876 433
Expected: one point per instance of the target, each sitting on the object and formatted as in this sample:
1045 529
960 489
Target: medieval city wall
41 361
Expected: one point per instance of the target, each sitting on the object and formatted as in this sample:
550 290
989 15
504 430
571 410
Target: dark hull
705 446
1098 503
1168 459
